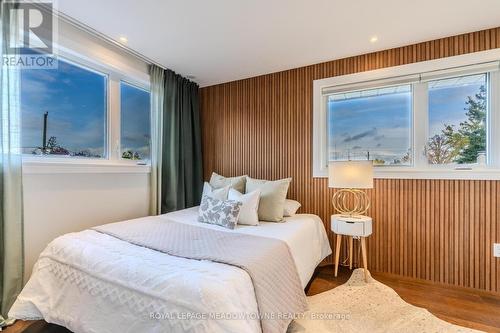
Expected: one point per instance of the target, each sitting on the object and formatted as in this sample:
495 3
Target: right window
135 123
458 110
422 120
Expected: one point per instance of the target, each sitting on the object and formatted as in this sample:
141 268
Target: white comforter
92 282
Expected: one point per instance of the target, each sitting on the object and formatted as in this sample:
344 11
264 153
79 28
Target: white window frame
112 162
417 74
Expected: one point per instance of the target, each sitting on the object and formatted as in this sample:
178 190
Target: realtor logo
30 28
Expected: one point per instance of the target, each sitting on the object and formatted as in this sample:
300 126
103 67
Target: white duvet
92 282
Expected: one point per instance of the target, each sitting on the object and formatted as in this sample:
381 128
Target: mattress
304 233
92 282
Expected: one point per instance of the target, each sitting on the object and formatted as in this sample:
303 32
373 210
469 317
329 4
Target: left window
64 111
373 124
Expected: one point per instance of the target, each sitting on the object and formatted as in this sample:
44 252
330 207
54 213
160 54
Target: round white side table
351 226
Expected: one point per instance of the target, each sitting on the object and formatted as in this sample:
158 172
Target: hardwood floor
36 326
465 307
461 306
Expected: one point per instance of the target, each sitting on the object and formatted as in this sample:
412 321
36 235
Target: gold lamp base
351 202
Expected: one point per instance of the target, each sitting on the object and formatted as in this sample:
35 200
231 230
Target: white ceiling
223 40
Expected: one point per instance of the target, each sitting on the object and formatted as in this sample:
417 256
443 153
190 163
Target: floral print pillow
219 212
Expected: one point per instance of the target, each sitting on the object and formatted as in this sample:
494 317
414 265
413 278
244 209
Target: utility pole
44 136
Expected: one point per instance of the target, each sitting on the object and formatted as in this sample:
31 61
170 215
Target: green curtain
11 204
179 177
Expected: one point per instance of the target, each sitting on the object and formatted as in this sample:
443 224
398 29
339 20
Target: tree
54 148
439 150
474 128
461 145
127 154
131 155
455 140
86 153
406 157
52 143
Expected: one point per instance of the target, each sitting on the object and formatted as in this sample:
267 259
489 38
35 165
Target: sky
381 124
447 103
76 101
135 120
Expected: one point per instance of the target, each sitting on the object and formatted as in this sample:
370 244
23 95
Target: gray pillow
237 183
224 213
272 197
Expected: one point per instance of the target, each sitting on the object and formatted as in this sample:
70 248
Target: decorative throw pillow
272 197
249 206
220 193
238 183
291 207
219 212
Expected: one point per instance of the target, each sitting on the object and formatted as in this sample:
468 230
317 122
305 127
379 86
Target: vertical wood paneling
438 230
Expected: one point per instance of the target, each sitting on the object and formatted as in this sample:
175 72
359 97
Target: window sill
473 174
412 173
31 166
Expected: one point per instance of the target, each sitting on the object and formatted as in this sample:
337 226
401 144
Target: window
424 120
64 111
135 122
457 120
85 116
371 124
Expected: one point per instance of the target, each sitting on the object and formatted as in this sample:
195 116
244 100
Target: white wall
57 201
55 204
73 41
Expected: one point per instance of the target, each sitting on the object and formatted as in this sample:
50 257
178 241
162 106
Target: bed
92 282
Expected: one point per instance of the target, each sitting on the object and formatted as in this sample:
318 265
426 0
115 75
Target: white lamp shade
350 174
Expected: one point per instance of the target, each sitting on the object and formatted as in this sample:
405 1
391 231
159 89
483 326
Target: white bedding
92 282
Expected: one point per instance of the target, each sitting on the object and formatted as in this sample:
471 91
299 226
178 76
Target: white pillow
291 207
272 197
238 183
250 206
220 193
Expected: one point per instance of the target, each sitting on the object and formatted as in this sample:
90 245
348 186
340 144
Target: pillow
220 193
238 183
223 213
249 206
272 197
291 207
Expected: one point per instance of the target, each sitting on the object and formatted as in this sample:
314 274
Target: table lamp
350 177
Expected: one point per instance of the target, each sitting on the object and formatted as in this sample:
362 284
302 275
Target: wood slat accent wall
438 230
